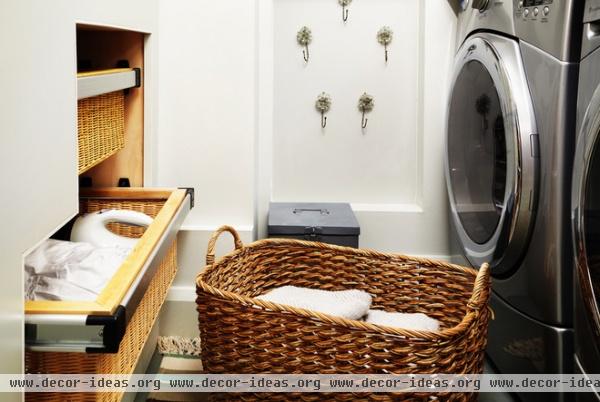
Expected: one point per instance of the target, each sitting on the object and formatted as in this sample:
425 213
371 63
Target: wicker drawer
101 326
101 114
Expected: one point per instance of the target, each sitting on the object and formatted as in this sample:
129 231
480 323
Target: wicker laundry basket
100 128
241 334
138 328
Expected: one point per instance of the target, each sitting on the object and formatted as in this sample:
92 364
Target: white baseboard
182 294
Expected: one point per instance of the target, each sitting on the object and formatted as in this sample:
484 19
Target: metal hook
305 54
344 13
364 121
323 120
386 54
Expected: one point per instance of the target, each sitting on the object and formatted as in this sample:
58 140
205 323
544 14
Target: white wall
425 231
343 162
207 114
38 138
207 107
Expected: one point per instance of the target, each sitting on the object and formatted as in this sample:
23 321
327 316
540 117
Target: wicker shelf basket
138 328
100 128
241 334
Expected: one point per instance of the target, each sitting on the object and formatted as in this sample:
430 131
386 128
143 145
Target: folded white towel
63 270
351 304
416 321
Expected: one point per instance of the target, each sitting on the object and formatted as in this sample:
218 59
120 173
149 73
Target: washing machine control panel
534 10
547 24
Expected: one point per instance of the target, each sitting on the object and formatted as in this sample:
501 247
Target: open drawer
100 325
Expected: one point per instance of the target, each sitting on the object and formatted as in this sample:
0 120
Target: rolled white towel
416 321
351 304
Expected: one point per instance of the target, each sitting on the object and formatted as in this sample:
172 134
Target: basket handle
210 252
481 289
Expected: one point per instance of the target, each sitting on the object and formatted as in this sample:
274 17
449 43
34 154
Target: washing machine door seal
586 211
491 153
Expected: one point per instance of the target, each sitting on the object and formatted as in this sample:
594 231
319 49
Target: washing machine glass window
477 152
592 223
586 211
491 161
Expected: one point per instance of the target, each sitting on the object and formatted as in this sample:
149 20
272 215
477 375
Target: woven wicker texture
100 128
138 329
243 335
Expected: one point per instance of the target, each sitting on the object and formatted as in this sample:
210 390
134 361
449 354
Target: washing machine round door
491 153
586 211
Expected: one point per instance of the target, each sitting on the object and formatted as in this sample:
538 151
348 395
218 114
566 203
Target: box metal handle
319 210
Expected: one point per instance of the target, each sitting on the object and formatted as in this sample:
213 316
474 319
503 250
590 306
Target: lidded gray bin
332 223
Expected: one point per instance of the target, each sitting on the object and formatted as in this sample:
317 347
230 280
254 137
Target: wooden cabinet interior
100 48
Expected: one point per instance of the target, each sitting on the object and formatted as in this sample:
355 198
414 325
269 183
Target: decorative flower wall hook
323 104
304 37
384 36
366 103
344 4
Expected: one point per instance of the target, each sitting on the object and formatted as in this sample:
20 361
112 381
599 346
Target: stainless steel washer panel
542 286
517 344
555 28
591 11
498 17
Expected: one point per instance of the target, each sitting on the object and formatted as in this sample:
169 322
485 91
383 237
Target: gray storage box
332 223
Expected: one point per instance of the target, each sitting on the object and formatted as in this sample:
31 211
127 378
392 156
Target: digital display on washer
529 3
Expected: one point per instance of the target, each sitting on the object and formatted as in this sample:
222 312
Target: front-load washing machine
586 203
509 152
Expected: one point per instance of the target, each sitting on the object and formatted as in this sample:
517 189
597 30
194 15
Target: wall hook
384 36
323 104
366 103
304 37
344 4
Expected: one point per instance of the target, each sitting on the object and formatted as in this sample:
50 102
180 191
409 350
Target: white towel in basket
351 304
416 321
